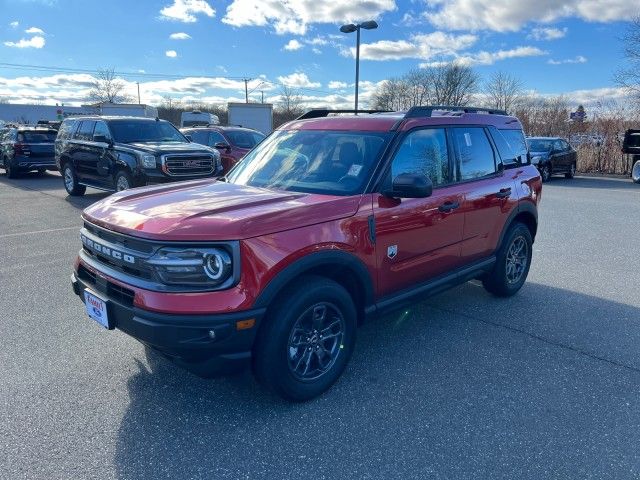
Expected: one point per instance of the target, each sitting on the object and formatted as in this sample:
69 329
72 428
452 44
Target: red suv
233 143
329 221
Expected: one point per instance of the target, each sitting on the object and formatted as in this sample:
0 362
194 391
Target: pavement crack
542 339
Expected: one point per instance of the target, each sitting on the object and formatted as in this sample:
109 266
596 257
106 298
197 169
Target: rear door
40 144
418 239
559 156
570 156
83 158
488 188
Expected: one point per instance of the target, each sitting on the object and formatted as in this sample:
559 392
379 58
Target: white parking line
40 231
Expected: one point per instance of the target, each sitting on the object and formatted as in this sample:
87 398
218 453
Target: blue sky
201 49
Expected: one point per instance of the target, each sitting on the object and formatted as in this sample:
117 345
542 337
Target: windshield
132 131
329 162
244 139
536 145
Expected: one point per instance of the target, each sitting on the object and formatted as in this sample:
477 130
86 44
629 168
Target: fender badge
392 251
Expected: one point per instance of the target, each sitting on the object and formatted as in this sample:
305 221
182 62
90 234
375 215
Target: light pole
350 28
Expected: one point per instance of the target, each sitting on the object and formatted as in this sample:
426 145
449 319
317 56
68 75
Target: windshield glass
132 131
244 139
537 145
329 162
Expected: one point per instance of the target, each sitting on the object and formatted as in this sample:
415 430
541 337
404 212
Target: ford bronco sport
329 221
117 153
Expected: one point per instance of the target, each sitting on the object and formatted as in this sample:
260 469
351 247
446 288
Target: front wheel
512 262
635 172
123 181
12 171
572 171
545 172
71 182
307 339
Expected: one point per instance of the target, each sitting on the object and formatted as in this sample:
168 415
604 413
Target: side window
517 142
198 136
475 154
557 145
65 130
423 152
101 129
565 146
507 154
85 131
215 137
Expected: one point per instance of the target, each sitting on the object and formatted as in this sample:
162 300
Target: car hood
211 210
158 148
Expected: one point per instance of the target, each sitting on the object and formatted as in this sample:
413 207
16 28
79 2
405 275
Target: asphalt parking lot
542 385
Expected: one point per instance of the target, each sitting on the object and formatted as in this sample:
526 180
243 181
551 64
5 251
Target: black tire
12 172
122 181
70 180
572 172
545 172
509 274
635 172
282 342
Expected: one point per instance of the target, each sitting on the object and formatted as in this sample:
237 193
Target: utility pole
262 96
139 102
246 90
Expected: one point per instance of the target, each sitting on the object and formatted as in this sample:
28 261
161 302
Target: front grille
115 292
188 164
119 239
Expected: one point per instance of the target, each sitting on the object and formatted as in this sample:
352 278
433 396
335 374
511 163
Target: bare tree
454 84
108 88
503 91
629 76
290 101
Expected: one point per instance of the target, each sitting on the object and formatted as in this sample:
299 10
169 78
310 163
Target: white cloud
34 30
171 53
489 58
186 10
423 46
317 41
294 16
180 36
299 80
547 33
317 51
293 45
34 42
14 24
335 84
510 15
578 59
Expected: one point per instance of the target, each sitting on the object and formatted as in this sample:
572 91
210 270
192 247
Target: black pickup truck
117 153
631 147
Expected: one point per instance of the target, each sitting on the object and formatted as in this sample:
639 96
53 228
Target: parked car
328 222
24 149
631 147
117 153
233 143
552 155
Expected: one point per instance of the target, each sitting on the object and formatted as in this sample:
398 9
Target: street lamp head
348 28
370 25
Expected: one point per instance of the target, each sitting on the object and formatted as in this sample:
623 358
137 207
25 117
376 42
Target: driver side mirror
101 139
222 146
410 185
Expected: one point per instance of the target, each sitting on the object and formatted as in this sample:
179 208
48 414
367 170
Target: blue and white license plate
96 308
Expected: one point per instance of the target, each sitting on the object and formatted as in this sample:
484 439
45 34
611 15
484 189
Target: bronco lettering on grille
106 251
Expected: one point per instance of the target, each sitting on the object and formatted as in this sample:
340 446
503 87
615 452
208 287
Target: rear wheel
635 172
123 181
307 339
71 181
512 262
572 171
12 171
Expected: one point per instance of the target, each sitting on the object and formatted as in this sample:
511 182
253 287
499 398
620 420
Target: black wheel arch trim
312 261
523 207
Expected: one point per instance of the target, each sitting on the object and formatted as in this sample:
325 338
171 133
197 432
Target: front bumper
185 339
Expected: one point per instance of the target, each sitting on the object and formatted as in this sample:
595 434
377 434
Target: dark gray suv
117 153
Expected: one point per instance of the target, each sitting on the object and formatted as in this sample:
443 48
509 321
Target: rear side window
517 142
474 151
85 131
66 129
101 129
423 152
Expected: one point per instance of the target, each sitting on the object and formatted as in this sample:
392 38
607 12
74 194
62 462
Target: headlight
192 266
148 161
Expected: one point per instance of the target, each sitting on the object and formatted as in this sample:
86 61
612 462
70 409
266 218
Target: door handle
504 193
448 206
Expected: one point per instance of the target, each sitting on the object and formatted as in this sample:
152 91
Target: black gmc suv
117 153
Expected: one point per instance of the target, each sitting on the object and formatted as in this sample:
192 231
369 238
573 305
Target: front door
418 238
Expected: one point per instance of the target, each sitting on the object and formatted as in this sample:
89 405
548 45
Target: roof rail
427 111
319 113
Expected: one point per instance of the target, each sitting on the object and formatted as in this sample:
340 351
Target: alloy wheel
517 259
122 184
69 181
316 341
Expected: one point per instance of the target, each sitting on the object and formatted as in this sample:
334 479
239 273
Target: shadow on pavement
605 183
463 385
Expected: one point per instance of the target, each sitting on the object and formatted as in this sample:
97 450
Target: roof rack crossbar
427 111
319 113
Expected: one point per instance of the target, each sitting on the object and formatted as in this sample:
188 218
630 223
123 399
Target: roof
112 117
224 128
545 138
390 121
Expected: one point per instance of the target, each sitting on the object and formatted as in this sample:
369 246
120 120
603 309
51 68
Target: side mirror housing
411 185
222 146
101 139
